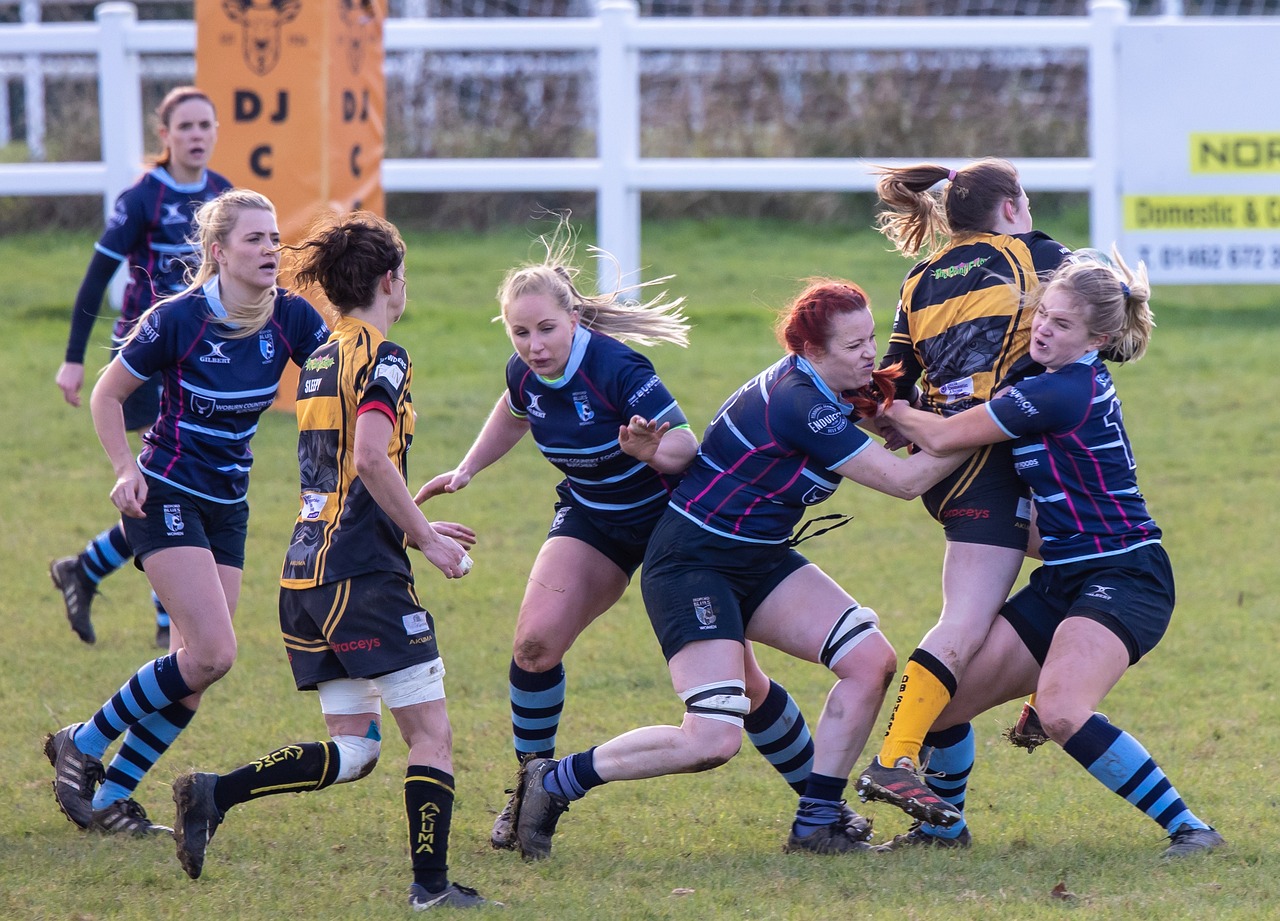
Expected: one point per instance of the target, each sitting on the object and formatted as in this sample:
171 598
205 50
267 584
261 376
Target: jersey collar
802 364
578 351
163 177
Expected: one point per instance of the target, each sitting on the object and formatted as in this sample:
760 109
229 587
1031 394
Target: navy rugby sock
537 699
155 686
1124 767
949 756
819 805
144 744
105 554
574 775
779 732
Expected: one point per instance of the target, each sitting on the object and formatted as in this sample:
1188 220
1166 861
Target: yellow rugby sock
926 688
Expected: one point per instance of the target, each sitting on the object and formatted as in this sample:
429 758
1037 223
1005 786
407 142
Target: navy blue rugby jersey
1074 453
215 388
575 418
149 228
768 454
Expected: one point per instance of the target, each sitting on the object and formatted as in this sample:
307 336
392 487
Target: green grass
1205 427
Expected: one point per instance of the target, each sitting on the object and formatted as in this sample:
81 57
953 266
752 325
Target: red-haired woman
721 569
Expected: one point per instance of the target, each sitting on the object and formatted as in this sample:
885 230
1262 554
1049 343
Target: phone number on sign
1237 257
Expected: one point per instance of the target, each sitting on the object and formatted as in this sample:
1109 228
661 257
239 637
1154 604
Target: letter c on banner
260 161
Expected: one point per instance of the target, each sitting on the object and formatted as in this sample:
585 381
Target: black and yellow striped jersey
962 320
341 531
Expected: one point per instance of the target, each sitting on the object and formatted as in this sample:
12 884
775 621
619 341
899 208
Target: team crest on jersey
173 520
266 345
826 419
203 406
705 611
214 355
815 495
534 409
583 406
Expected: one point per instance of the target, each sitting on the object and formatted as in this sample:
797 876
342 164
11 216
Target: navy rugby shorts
1131 594
179 519
700 586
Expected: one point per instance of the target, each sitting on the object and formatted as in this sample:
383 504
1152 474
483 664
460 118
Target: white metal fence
616 36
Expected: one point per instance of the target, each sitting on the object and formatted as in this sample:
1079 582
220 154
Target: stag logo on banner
261 22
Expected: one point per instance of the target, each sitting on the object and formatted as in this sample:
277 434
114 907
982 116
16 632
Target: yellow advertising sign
1251 152
1202 212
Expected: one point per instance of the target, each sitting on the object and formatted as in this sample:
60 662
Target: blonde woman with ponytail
1104 596
600 414
219 347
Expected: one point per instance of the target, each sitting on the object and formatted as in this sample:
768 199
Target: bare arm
106 404
904 477
501 432
944 434
381 477
663 448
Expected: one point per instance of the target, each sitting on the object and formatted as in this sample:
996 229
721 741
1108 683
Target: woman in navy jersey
1104 596
219 347
600 414
353 625
960 326
721 570
149 230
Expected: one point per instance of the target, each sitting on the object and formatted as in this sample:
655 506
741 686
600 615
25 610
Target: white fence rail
617 174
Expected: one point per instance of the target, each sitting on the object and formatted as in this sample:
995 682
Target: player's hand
459 532
129 493
70 379
446 555
640 437
450 481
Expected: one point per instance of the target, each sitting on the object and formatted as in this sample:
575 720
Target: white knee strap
726 701
851 628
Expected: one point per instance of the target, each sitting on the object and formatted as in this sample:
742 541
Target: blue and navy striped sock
537 699
144 743
1124 767
156 685
819 804
105 554
574 775
778 731
949 755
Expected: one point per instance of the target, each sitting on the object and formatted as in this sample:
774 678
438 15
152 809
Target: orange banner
301 97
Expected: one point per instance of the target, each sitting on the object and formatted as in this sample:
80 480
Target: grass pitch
1206 429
